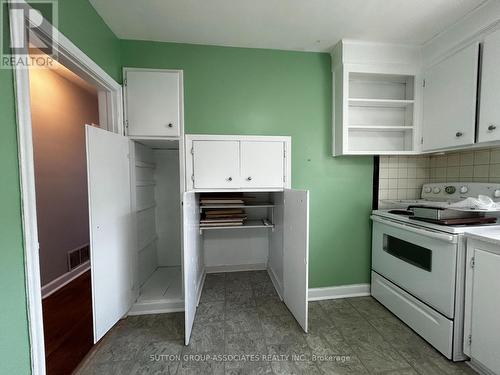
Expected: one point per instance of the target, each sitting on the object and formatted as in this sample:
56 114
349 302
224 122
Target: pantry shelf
388 103
216 206
381 127
249 224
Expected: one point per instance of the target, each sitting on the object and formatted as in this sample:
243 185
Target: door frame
110 102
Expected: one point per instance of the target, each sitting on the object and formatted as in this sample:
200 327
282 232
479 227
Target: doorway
61 104
109 95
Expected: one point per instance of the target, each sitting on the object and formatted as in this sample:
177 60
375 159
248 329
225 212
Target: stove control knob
450 189
427 189
436 190
496 193
463 189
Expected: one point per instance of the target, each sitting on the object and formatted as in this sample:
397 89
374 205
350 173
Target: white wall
168 213
60 110
145 212
235 247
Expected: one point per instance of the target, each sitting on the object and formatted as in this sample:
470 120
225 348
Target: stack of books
224 214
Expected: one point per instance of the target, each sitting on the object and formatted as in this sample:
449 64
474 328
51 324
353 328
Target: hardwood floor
67 320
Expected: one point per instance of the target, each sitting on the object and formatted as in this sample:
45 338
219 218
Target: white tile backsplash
477 166
402 177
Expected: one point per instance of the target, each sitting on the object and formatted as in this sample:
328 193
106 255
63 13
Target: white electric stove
418 268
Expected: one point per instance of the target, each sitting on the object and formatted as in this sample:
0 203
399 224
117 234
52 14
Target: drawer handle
170 125
492 127
230 179
459 134
249 178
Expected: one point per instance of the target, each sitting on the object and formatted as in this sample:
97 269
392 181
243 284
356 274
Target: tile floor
240 314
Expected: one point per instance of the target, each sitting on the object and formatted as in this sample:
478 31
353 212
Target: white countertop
491 235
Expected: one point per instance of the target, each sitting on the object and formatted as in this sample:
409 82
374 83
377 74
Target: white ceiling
309 25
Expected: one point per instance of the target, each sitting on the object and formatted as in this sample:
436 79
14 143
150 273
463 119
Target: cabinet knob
249 178
230 179
492 127
459 134
170 125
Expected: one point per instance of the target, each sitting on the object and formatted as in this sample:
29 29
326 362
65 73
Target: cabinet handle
459 134
230 179
249 178
170 125
492 127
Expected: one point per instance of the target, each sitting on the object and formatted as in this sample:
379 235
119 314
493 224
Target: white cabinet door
489 104
216 164
296 253
450 95
262 164
111 241
153 103
192 267
485 321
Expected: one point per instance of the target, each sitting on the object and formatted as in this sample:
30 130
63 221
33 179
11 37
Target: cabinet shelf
143 164
257 205
388 103
249 224
381 127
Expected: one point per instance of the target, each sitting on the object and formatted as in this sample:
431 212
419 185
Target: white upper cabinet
376 99
262 164
489 109
238 163
216 164
153 102
450 95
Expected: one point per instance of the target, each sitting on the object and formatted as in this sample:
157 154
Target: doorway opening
109 117
61 104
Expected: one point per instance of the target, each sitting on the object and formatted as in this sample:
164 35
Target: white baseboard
343 291
65 279
236 268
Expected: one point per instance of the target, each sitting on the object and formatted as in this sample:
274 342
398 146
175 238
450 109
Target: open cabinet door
192 271
296 253
111 240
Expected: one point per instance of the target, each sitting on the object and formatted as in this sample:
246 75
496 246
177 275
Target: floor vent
78 256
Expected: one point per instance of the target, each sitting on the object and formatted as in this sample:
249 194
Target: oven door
418 260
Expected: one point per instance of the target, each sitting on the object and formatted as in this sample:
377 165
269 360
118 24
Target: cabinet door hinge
284 154
472 262
469 340
192 177
423 83
125 82
192 150
126 123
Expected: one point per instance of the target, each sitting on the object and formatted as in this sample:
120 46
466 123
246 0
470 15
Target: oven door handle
424 232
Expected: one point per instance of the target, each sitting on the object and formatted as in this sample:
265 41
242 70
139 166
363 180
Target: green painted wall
255 91
80 23
227 90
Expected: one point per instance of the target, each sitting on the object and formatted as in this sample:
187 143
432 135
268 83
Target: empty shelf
380 102
381 127
249 224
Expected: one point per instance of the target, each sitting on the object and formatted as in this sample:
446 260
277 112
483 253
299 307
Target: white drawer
432 326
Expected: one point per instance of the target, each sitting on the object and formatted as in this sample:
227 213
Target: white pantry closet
156 203
148 251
